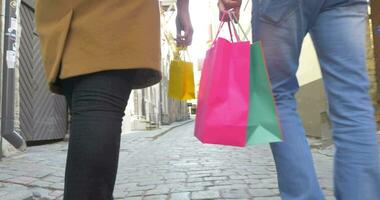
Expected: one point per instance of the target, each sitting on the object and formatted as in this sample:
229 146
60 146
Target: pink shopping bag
223 103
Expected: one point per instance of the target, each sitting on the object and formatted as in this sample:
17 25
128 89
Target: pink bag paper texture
223 103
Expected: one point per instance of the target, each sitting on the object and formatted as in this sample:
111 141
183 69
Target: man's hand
183 22
226 5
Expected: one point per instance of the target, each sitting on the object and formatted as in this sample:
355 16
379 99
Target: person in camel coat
95 52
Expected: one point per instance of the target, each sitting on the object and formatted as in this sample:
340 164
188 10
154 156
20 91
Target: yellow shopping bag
181 78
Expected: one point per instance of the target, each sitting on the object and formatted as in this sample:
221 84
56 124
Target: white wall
309 69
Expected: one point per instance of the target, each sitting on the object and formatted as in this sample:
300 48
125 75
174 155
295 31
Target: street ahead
160 165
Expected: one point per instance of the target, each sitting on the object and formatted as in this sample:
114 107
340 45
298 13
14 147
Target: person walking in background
94 53
338 30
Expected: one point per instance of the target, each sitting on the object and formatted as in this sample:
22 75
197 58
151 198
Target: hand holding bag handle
231 15
233 19
229 28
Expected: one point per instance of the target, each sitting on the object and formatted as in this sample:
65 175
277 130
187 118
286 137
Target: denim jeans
338 30
97 103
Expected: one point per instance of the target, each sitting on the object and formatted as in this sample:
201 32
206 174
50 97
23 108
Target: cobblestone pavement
160 165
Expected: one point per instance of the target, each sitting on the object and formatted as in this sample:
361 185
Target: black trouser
97 102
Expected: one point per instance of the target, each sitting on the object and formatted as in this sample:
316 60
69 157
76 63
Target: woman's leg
97 102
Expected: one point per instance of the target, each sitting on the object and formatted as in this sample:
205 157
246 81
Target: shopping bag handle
230 30
179 56
225 14
232 19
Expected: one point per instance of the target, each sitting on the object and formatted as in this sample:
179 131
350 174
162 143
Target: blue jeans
338 30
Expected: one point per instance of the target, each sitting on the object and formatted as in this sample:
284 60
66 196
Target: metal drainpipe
8 69
1 70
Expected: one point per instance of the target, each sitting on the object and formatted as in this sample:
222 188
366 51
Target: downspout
9 60
1 70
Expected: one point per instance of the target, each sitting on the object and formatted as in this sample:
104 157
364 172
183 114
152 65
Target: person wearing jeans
338 30
95 52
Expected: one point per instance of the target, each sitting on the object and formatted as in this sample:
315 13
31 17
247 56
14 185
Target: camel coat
80 37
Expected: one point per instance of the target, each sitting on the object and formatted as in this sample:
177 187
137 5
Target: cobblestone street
169 163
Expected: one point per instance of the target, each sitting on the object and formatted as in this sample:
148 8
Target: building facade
35 114
148 108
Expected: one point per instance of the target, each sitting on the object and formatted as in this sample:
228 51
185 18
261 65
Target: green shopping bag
236 105
263 123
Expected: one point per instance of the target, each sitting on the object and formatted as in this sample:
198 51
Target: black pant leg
97 104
